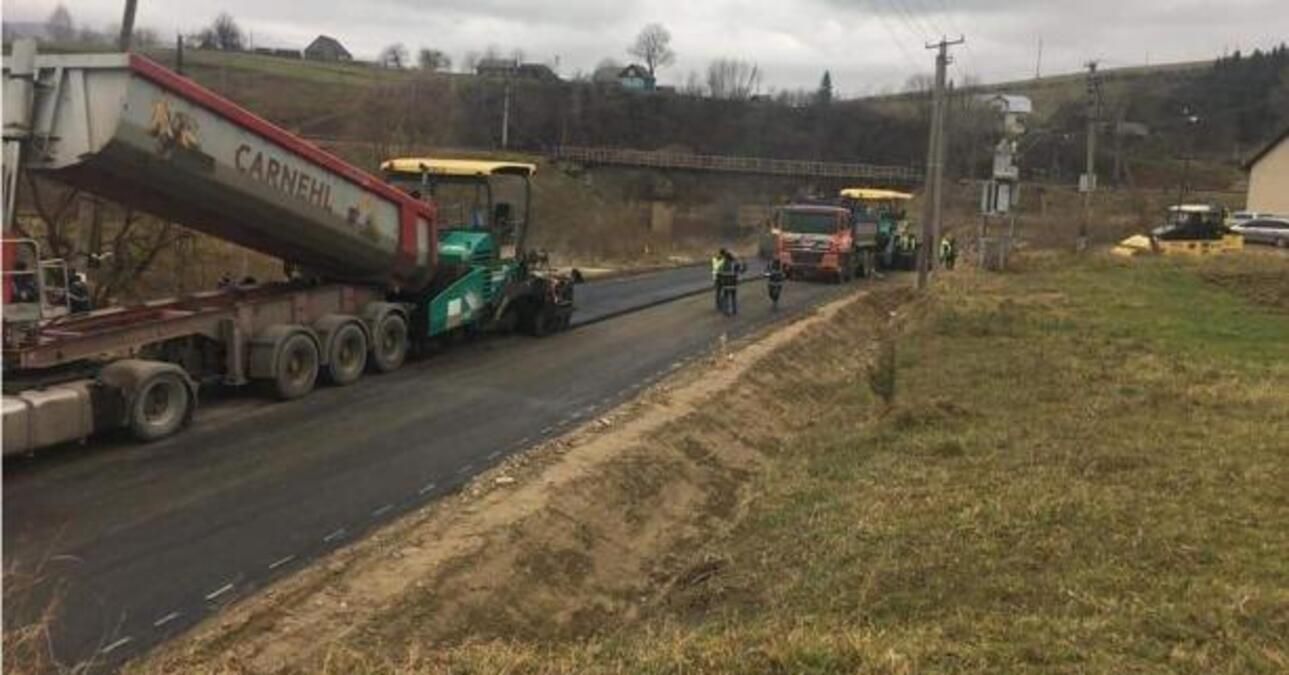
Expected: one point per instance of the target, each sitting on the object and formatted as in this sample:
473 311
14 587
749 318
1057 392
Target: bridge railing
757 165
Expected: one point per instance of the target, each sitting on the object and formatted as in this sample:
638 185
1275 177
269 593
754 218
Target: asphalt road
140 542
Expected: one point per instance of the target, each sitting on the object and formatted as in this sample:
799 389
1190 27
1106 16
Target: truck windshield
809 222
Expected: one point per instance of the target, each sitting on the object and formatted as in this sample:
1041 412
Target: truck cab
824 240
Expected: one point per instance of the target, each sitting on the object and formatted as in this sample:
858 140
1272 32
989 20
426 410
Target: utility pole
179 53
1038 63
934 164
1088 182
505 118
127 25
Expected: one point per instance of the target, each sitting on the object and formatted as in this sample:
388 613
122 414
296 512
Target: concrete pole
127 25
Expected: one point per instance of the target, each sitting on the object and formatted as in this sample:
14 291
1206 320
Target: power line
890 30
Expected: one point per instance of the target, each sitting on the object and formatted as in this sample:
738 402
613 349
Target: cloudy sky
868 45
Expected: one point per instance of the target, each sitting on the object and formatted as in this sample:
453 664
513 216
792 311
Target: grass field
1084 469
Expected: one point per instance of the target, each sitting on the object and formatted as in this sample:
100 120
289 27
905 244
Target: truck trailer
373 273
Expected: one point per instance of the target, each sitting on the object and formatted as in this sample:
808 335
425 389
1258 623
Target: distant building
1269 177
280 53
636 78
535 72
496 67
327 48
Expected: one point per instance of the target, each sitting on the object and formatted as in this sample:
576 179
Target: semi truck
896 240
373 272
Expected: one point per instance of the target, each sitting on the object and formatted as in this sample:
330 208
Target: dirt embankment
596 529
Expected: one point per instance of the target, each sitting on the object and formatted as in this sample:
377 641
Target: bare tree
921 83
653 46
394 56
223 34
59 25
470 61
433 60
606 71
733 79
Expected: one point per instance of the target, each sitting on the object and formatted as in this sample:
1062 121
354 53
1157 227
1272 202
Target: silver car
1265 230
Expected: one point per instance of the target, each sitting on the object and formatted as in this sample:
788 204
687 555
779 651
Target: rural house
1269 177
636 78
327 48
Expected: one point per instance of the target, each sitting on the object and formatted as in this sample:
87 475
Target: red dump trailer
130 130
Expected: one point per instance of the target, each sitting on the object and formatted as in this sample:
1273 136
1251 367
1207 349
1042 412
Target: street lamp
1190 119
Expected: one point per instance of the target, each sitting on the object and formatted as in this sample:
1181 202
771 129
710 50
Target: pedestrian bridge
658 159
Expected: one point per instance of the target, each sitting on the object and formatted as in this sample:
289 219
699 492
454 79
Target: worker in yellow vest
717 261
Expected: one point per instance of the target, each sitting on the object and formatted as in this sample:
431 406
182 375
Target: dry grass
1085 470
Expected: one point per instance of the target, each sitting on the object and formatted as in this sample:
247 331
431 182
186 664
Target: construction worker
717 261
774 277
78 294
727 282
948 252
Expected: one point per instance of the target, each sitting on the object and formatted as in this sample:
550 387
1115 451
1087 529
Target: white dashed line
165 619
465 469
219 591
281 561
492 456
334 535
429 487
382 511
547 431
116 645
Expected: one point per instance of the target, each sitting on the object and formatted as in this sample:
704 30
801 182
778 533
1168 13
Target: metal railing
729 164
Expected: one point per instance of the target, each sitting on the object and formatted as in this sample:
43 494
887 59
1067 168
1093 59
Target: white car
1265 230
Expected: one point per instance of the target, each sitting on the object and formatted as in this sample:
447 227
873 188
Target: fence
756 165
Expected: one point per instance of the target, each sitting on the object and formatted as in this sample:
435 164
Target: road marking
465 469
281 561
334 535
166 619
116 645
547 431
219 591
382 511
494 455
429 487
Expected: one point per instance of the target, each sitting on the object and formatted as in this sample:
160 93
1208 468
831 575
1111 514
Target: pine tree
824 95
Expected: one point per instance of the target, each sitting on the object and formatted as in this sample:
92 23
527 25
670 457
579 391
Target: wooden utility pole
1088 183
934 178
127 25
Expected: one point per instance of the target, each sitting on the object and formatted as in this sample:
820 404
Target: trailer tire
389 343
347 357
161 406
296 370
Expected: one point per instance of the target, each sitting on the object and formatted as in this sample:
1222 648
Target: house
510 68
493 67
1269 177
636 77
327 48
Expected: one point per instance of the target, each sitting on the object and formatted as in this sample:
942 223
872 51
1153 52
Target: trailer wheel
160 408
389 343
348 357
297 367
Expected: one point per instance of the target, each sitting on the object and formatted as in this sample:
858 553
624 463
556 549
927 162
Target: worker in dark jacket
774 277
727 282
948 252
78 294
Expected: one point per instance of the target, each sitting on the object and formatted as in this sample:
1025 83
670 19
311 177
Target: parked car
1242 217
1265 230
